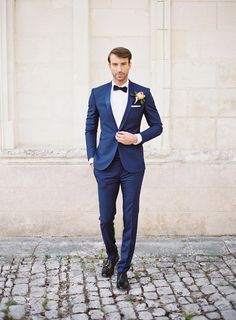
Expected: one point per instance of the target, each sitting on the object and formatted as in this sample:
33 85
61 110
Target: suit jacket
99 109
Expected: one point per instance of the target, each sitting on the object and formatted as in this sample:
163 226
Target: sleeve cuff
139 137
91 160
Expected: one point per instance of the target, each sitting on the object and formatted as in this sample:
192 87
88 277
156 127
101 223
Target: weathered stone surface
17 311
198 290
229 314
20 289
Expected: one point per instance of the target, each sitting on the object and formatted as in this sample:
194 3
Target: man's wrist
135 139
139 138
91 161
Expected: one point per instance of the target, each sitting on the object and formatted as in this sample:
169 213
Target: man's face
119 68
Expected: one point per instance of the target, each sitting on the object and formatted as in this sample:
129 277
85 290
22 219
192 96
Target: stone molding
160 13
6 73
76 156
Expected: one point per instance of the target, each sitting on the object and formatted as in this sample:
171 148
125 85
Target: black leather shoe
109 265
122 281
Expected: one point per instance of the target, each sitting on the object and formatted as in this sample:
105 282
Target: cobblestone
17 312
70 287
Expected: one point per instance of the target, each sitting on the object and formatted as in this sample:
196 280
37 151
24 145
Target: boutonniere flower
139 97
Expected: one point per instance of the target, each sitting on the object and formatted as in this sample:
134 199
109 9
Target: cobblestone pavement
59 278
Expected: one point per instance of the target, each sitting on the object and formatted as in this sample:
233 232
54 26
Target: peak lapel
129 103
108 104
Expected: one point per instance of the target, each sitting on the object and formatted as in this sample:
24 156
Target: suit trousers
109 182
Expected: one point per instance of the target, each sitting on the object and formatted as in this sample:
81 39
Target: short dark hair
120 52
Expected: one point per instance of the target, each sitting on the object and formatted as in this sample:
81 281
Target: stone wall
54 51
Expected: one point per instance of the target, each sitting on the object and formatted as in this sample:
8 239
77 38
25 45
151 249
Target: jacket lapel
129 103
108 103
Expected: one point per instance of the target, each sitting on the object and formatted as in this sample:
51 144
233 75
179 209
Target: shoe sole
121 288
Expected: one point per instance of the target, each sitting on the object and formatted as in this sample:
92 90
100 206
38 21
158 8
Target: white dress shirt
119 101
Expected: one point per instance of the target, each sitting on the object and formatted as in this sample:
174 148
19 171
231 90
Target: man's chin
121 79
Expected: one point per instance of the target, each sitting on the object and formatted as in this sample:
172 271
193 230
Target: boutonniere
139 96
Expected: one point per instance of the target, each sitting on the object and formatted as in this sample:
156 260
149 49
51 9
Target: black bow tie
124 89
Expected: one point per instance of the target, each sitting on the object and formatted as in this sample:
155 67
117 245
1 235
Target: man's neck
120 83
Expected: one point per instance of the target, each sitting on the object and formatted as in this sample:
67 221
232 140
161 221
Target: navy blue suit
117 165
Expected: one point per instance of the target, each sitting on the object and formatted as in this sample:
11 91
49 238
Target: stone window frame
160 33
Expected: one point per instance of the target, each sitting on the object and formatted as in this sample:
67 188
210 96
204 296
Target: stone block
199 199
179 103
199 102
214 45
218 45
32 106
48 106
226 134
194 74
100 47
219 223
190 133
188 15
226 74
48 223
227 102
33 49
100 74
141 75
17 311
226 15
186 45
41 18
62 47
187 199
196 175
33 133
104 17
153 148
101 4
50 196
56 78
203 102
171 223
131 4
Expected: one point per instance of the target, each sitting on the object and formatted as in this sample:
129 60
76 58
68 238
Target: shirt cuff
139 137
91 160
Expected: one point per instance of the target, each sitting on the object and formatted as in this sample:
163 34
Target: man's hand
92 166
126 137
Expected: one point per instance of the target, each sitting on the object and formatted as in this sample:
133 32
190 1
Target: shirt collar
123 85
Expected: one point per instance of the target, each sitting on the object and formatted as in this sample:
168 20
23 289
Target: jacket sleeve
91 126
153 119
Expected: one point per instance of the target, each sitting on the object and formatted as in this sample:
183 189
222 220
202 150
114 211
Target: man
118 159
